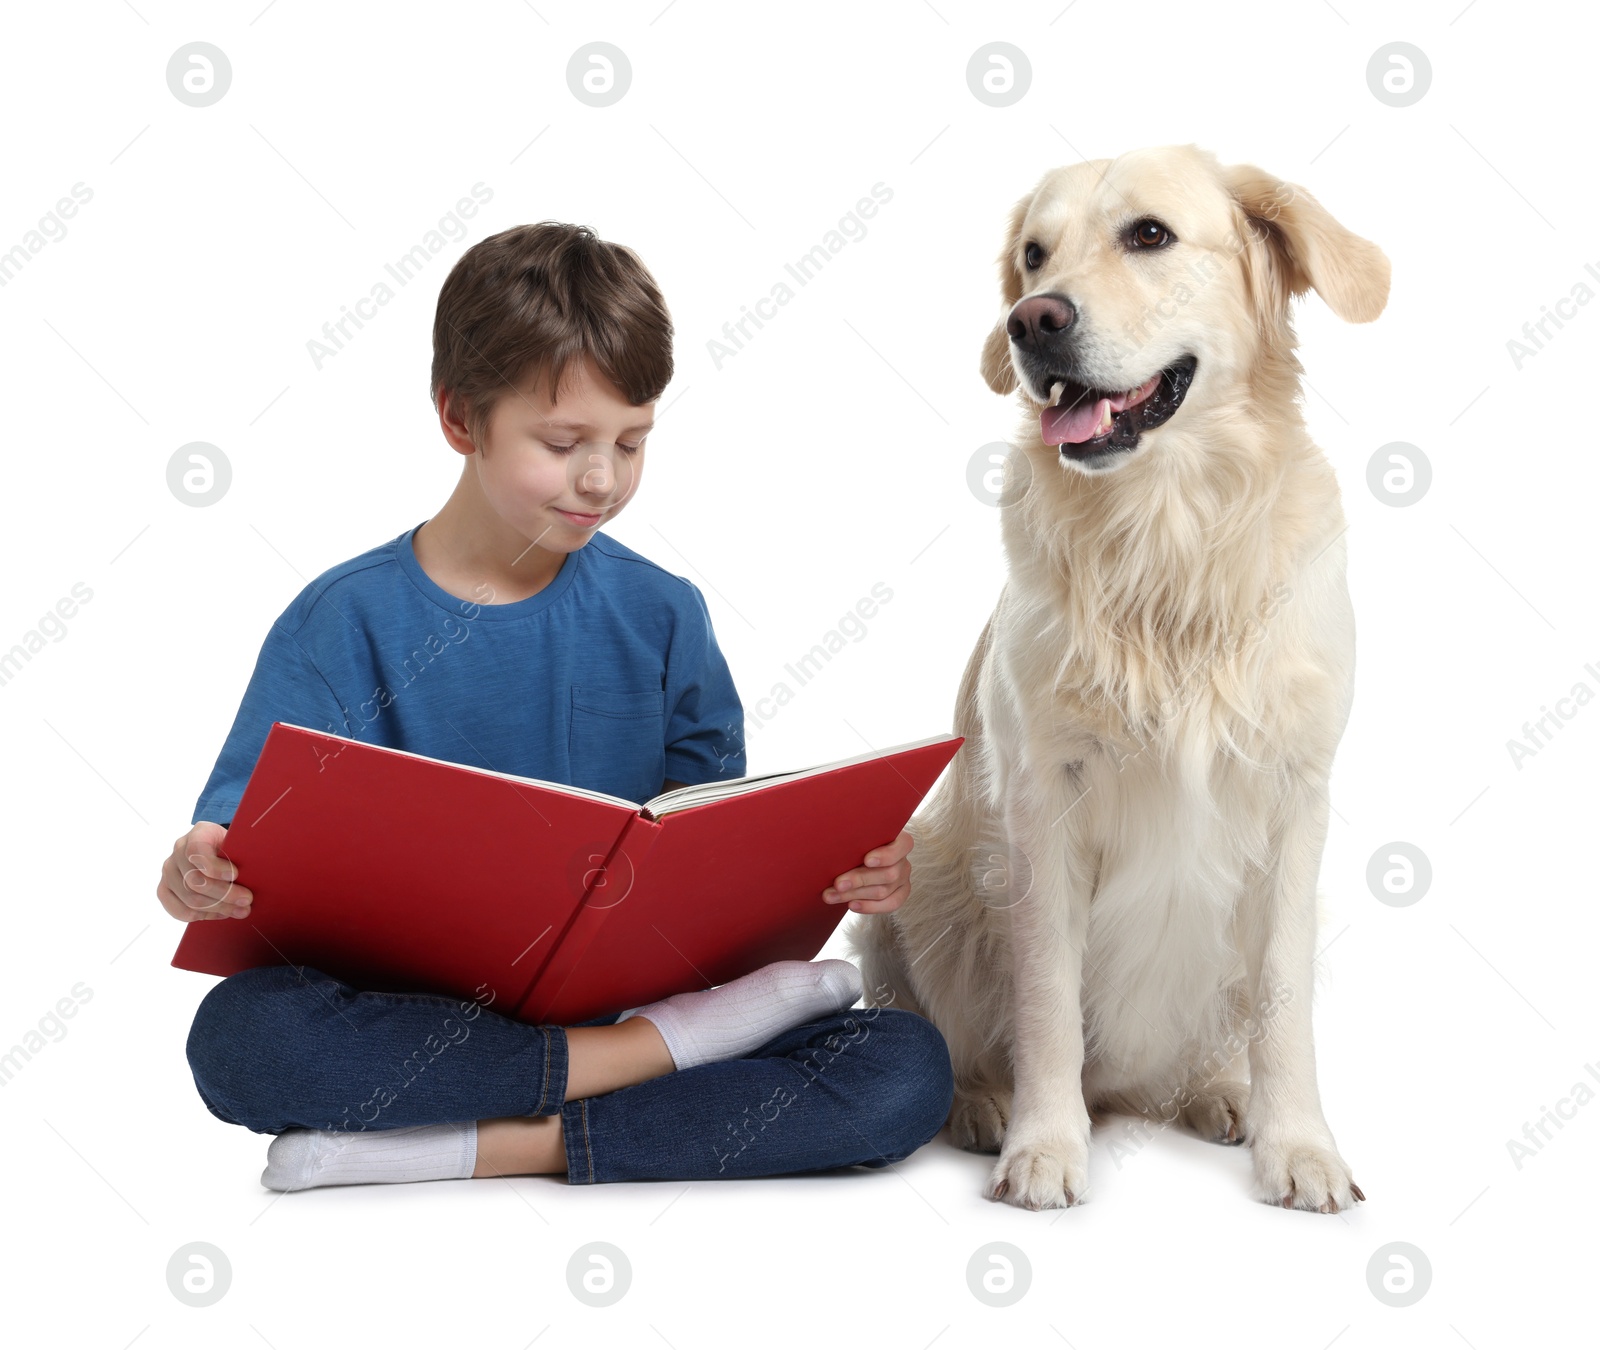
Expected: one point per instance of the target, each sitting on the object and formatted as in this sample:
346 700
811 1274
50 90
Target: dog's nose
1036 323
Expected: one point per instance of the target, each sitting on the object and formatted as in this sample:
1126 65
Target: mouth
583 518
1086 423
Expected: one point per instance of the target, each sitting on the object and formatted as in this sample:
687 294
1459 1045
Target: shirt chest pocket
617 742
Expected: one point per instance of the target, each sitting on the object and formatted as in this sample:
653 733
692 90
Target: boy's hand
880 884
197 882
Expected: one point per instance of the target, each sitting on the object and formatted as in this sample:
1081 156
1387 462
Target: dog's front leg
1044 1161
1296 1162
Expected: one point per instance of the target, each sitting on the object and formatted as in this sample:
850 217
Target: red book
550 904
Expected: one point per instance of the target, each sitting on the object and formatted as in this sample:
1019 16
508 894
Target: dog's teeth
1105 424
1055 391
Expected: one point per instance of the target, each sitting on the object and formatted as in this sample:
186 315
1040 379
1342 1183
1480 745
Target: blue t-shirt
610 678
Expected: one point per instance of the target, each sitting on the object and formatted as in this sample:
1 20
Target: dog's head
1139 288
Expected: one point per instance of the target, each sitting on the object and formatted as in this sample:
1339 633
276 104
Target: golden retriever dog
1114 903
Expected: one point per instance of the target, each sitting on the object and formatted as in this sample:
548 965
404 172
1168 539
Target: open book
548 903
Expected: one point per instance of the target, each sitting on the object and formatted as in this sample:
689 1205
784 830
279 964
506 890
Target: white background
828 455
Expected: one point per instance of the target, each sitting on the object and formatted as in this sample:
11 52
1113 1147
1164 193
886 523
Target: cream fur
1113 895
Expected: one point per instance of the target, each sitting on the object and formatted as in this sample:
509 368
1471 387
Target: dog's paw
1044 1176
1217 1112
978 1118
1303 1175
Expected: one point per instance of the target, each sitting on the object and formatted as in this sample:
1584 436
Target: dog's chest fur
1171 826
1167 697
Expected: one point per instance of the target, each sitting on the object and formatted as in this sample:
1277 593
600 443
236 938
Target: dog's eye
1150 234
1032 256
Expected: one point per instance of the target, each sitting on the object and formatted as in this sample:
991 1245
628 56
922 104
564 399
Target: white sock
298 1159
734 1018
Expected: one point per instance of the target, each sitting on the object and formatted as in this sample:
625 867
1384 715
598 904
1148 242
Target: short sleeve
286 686
705 720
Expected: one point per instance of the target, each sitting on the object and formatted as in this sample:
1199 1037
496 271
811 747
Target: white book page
681 799
471 768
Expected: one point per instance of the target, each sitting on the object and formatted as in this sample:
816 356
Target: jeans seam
544 1090
588 1153
392 996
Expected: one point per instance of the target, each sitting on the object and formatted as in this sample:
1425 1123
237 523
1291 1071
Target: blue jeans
284 1047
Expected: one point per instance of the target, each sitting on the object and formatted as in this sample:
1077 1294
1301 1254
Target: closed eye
565 449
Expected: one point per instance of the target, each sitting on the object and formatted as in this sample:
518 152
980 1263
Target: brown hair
534 298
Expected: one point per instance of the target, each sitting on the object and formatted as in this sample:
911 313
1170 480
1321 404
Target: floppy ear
1293 245
995 363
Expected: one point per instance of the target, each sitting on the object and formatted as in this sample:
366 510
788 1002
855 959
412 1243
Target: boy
588 665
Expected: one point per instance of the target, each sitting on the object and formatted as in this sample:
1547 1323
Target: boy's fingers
214 866
171 903
231 891
183 906
204 893
203 872
880 906
886 855
858 877
874 892
195 883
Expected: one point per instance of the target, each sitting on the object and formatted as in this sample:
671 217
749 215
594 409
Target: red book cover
395 871
708 894
399 872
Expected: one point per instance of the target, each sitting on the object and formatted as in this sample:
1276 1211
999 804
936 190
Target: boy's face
556 472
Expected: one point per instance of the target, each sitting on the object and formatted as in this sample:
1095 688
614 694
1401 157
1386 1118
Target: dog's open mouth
1087 422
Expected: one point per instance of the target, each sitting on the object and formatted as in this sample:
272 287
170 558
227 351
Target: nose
597 478
1036 324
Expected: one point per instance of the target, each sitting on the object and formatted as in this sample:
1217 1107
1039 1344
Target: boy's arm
285 686
705 738
705 720
197 879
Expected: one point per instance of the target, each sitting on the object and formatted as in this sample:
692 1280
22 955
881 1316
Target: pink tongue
1073 426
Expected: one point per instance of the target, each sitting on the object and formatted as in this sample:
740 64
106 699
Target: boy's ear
1293 245
995 362
453 423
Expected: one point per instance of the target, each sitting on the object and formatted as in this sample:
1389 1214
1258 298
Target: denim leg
279 1047
865 1086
